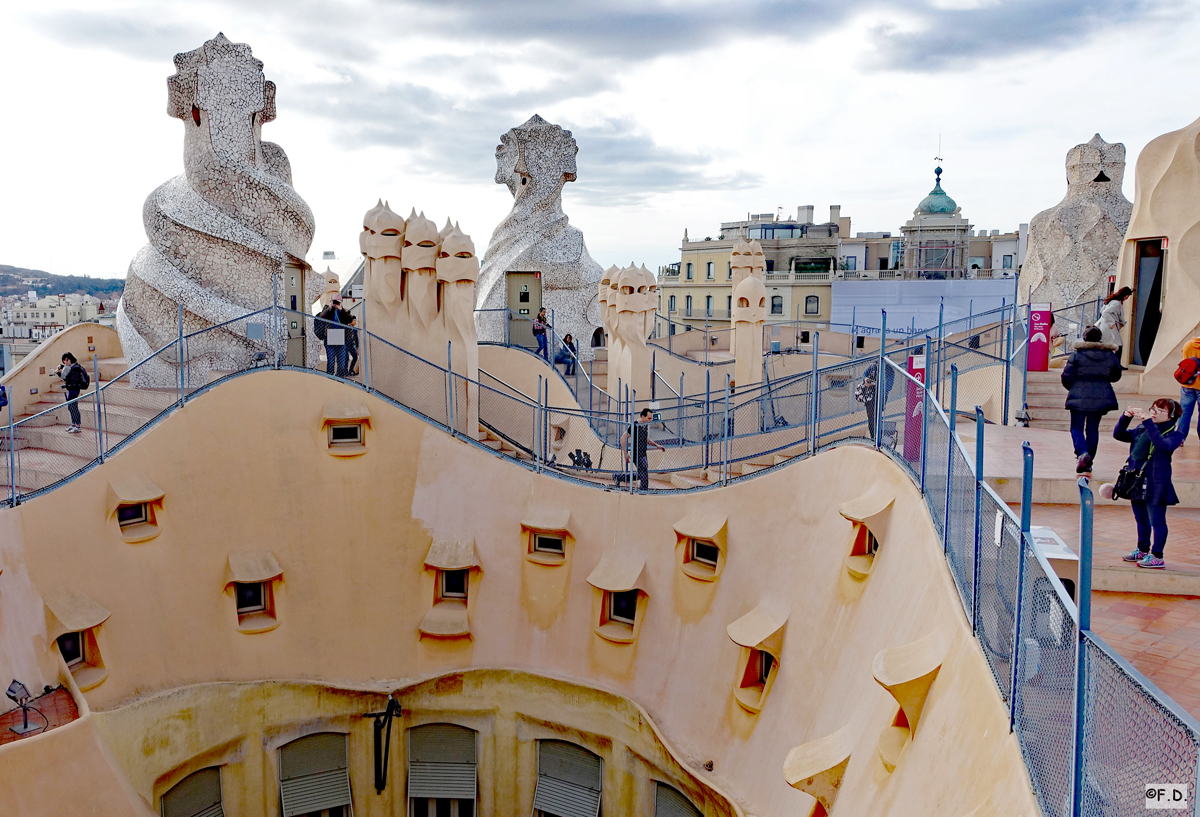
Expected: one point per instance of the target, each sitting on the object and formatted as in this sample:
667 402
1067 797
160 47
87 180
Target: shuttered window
668 802
314 774
568 783
197 795
441 762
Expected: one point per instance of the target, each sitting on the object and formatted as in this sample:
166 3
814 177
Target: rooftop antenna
939 158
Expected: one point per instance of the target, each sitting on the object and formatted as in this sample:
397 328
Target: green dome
937 202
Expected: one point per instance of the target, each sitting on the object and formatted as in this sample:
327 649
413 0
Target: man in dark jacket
1088 377
335 353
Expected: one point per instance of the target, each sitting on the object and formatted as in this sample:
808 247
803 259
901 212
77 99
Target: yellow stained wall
245 466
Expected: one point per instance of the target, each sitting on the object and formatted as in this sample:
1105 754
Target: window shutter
670 803
197 795
314 774
568 782
441 761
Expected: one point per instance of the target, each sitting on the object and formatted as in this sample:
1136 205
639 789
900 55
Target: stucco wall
245 466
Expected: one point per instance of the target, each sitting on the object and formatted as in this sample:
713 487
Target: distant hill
49 284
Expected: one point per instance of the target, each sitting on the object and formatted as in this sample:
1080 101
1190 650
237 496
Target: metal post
880 380
449 390
925 413
1083 601
978 500
854 332
653 373
179 355
537 419
950 455
941 344
814 414
1007 370
99 424
275 320
12 457
631 466
680 435
1026 501
725 438
1025 364
707 410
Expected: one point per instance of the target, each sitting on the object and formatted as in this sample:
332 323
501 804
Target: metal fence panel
999 554
1130 736
1045 691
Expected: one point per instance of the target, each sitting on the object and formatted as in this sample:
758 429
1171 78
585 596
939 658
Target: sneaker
1152 561
72 429
1084 466
1135 555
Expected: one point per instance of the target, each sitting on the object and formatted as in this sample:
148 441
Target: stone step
680 481
37 469
55 438
600 353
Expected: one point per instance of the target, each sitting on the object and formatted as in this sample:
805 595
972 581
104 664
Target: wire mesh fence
1044 706
1131 736
999 552
959 533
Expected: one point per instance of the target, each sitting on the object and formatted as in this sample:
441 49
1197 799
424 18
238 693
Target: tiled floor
1160 635
1053 457
1114 532
57 706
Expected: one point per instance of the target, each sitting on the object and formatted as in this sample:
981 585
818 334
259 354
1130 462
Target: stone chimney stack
804 214
835 213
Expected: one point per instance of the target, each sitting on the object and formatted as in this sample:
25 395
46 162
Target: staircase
48 453
1046 398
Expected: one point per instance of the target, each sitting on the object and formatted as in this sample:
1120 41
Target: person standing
1112 318
540 333
352 346
332 317
75 379
867 393
1088 377
1189 394
1151 444
641 438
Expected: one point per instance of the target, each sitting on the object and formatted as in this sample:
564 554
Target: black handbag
1131 483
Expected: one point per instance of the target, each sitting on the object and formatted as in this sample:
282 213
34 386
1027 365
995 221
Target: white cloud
686 114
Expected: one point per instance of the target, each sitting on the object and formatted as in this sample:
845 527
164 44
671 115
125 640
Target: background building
803 259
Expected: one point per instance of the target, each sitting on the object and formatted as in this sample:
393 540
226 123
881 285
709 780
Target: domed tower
936 237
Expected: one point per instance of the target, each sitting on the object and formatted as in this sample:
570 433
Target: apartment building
804 257
36 320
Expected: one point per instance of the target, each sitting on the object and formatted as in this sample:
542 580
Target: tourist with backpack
1088 377
1188 375
1112 318
1146 478
540 332
333 317
75 379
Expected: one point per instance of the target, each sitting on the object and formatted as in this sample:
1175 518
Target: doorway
524 301
293 300
1148 271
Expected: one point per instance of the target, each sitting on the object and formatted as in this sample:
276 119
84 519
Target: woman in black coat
1152 443
1088 377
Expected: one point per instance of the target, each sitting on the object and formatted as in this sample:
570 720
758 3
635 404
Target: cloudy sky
687 113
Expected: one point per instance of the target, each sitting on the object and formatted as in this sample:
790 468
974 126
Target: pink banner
914 407
1039 337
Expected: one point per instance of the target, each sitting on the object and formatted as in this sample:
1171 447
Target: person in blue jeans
1088 377
1152 443
1189 395
541 333
75 380
566 355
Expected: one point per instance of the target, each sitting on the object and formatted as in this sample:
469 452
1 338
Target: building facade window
729 304
671 304
688 303
1007 262
708 305
689 272
728 270
812 305
851 262
708 270
776 304
770 265
197 795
